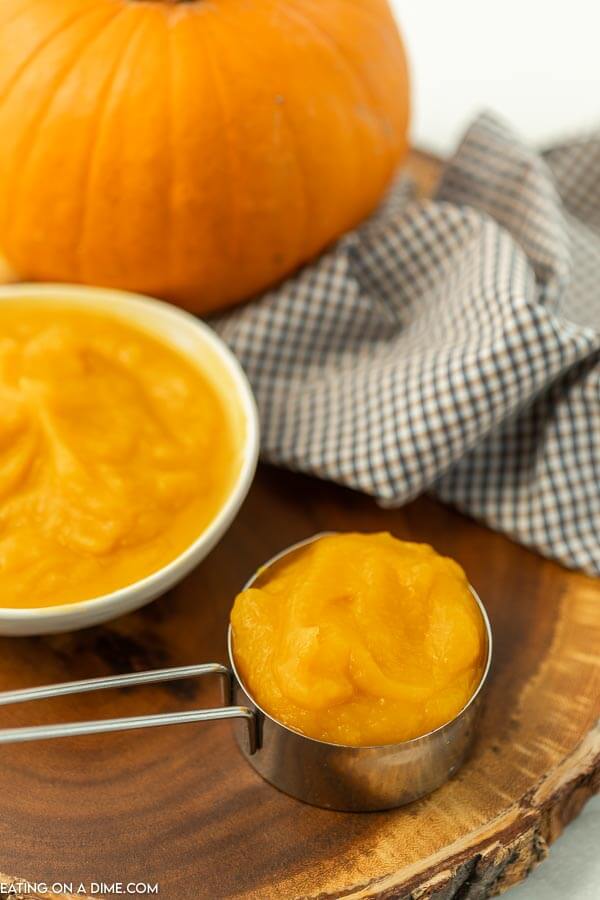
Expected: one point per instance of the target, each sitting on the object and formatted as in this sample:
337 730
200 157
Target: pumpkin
194 150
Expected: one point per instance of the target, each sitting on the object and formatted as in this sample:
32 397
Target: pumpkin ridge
99 122
367 14
16 14
340 53
35 132
232 166
307 202
39 48
385 34
293 13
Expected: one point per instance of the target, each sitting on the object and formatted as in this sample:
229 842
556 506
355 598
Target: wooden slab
179 806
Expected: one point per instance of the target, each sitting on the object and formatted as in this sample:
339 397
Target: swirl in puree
360 639
116 452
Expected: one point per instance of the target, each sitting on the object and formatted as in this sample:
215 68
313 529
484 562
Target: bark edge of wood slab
502 854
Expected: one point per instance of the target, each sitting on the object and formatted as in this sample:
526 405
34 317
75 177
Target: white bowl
205 349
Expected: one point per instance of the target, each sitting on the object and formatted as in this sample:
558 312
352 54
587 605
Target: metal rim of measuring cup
334 776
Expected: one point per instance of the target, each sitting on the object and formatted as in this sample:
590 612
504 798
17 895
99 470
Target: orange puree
360 639
115 453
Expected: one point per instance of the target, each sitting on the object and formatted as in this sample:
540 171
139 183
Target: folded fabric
451 345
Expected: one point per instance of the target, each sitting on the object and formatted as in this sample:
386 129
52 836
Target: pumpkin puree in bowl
360 639
116 452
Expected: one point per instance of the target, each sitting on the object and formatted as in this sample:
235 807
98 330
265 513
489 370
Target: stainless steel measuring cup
333 776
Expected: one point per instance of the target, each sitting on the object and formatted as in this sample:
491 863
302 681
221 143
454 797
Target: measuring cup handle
100 726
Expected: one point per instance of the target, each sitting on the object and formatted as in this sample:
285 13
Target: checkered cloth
453 346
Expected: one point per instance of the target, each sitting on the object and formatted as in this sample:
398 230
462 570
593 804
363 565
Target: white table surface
537 63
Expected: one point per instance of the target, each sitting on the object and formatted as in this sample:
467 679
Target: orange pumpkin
195 150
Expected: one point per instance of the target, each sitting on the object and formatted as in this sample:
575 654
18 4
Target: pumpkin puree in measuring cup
360 639
116 452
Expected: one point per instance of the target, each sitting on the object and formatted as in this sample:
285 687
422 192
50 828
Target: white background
537 64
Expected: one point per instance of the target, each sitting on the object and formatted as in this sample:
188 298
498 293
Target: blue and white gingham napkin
451 345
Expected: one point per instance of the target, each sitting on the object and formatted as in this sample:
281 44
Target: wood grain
180 807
